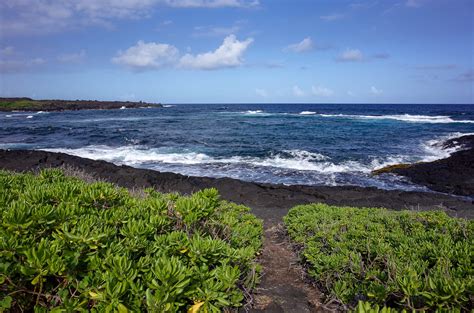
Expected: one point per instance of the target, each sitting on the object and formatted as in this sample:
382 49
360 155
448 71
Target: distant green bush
21 105
405 260
67 246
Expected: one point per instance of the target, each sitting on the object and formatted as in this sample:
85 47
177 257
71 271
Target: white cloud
297 91
153 55
332 17
351 55
321 91
49 16
229 54
72 57
302 46
145 55
375 91
261 92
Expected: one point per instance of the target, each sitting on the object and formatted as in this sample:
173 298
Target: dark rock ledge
454 174
267 201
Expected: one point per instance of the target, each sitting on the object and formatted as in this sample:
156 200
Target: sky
239 51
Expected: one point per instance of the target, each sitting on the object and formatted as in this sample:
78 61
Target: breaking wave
299 160
433 119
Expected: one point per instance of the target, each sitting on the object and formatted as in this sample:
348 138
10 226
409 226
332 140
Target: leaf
195 308
96 296
122 308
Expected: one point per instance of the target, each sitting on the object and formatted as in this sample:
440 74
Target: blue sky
227 51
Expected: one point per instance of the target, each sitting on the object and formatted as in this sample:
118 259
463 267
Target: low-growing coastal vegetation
28 104
67 245
399 259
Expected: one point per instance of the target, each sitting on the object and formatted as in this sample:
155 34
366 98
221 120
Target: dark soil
284 286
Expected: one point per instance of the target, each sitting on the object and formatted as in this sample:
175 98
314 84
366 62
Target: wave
168 105
27 115
434 119
299 160
435 149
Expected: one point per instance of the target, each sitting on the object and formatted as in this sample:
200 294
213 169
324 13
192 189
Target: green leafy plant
405 260
66 245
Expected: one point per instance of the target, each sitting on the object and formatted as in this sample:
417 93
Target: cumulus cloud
229 54
297 91
375 91
321 91
145 55
261 92
332 17
72 57
304 45
351 55
47 16
153 55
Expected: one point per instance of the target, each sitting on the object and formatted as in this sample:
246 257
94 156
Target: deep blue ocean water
311 144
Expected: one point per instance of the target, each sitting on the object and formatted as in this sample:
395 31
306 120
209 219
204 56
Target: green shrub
411 260
66 246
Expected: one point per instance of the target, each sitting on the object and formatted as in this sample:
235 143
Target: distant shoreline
28 104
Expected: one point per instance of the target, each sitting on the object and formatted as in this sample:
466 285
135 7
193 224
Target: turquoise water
310 144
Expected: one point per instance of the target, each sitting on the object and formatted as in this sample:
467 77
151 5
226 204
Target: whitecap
299 160
434 119
307 113
29 116
434 148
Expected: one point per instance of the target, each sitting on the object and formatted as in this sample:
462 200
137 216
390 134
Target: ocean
292 144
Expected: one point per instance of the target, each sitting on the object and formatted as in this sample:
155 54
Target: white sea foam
299 160
168 105
307 113
434 119
434 148
296 160
123 107
29 116
253 112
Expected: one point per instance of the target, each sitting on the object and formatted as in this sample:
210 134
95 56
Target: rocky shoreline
28 104
454 175
267 201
